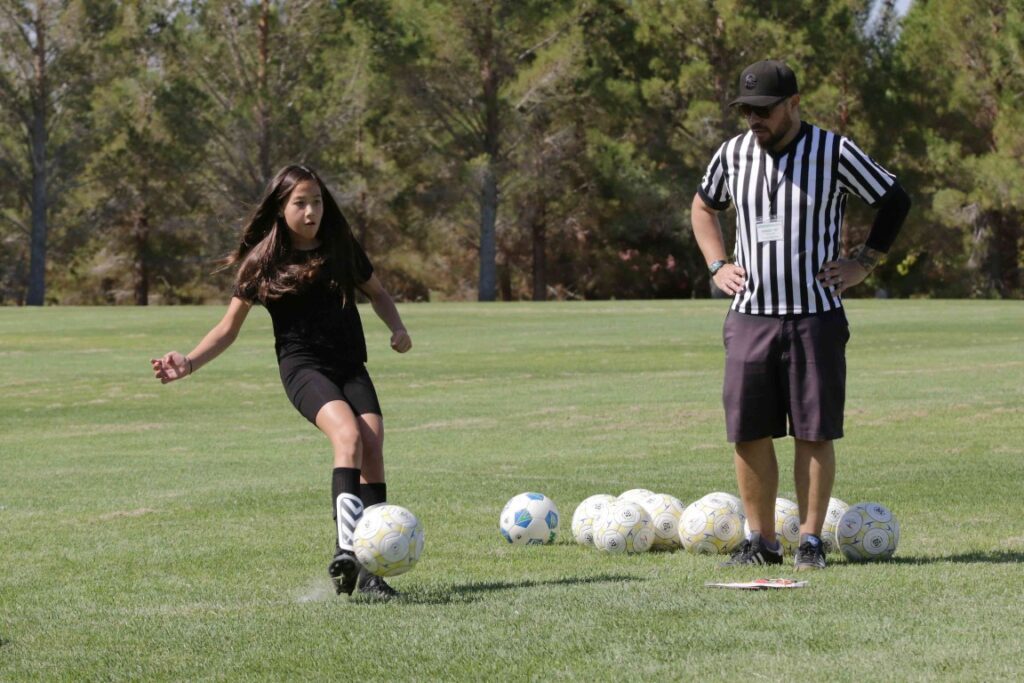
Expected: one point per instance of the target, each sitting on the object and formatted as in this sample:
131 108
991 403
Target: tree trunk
38 139
505 272
488 250
262 104
539 237
979 263
490 80
140 266
37 258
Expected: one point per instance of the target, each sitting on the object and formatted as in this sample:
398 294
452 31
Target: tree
141 194
43 80
960 66
461 77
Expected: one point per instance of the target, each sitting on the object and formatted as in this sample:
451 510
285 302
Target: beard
772 137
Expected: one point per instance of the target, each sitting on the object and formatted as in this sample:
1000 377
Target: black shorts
311 386
788 368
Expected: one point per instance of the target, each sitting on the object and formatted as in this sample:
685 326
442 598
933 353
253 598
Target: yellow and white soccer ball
787 525
586 515
868 531
623 527
665 512
732 501
388 540
710 526
635 495
836 510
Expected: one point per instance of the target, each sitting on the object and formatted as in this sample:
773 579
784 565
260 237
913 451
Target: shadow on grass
977 557
471 592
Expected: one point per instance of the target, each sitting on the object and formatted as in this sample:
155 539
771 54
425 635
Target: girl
298 258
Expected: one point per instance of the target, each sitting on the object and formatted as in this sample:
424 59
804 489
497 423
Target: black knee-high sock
374 493
348 507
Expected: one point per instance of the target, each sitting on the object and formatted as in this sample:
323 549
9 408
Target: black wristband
716 266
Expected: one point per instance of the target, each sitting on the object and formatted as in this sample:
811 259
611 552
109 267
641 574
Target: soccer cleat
344 571
754 551
810 554
375 587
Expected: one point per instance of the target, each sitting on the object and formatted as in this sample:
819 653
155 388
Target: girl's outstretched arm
174 366
384 307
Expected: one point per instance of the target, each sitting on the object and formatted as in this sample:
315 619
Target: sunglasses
760 112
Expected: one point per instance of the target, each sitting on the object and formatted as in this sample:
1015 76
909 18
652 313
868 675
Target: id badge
768 229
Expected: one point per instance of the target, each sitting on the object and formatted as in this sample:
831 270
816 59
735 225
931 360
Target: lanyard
772 188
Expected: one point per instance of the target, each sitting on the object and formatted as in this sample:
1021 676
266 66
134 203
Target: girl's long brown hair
264 271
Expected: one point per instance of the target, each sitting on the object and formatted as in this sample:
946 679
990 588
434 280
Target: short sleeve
861 175
364 269
713 188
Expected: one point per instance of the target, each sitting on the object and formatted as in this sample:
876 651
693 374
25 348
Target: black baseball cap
763 84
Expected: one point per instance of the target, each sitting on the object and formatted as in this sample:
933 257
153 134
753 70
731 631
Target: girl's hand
400 340
171 367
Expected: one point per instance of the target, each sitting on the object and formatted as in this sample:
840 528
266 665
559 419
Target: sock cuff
373 493
346 479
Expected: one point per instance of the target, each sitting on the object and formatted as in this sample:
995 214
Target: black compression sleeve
892 211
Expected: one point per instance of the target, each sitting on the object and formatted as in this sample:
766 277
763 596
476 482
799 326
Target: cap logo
750 81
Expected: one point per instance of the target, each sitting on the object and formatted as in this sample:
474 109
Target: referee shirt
806 184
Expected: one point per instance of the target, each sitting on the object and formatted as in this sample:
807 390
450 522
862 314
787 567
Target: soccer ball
586 514
665 511
635 495
623 527
836 510
868 531
388 540
710 526
732 501
529 519
787 524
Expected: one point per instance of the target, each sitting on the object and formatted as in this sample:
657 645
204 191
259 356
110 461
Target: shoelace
809 551
742 552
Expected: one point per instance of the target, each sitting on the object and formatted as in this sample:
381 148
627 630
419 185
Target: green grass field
182 532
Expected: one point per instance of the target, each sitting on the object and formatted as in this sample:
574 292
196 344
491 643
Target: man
785 333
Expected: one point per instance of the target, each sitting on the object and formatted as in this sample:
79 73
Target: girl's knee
346 437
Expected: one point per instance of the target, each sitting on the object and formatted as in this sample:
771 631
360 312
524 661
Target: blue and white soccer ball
529 519
388 540
586 515
868 531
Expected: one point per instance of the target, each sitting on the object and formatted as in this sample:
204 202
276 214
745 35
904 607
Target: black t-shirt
312 325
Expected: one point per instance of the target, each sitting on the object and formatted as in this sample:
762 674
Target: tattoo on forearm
867 257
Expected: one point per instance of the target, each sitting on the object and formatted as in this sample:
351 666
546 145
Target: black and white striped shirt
811 180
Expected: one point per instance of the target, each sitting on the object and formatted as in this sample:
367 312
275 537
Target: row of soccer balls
639 520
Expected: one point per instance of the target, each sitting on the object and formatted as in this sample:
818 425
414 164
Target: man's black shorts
785 368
